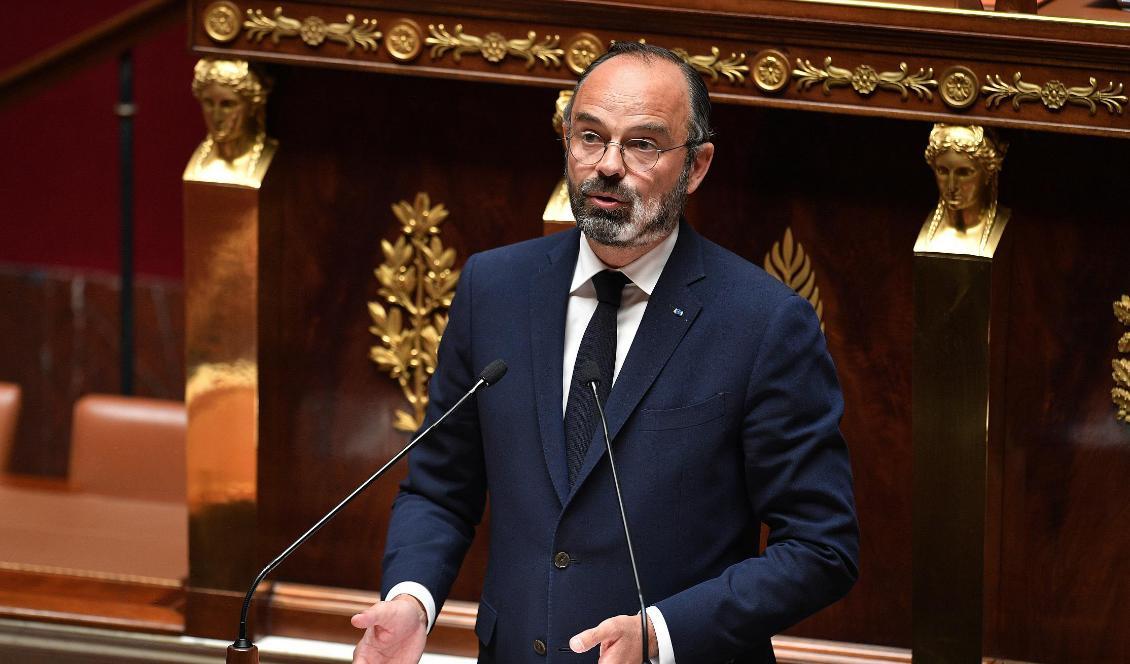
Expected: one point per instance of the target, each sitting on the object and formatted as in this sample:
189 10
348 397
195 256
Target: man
723 411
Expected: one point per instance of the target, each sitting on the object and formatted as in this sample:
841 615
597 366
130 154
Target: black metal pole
125 110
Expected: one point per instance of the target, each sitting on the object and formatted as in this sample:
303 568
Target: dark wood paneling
61 341
1065 585
354 145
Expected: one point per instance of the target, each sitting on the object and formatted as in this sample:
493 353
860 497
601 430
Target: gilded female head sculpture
966 161
233 97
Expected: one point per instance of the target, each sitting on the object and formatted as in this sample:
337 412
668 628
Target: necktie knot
609 286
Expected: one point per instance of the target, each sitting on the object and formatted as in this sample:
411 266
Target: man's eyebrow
587 117
646 127
651 128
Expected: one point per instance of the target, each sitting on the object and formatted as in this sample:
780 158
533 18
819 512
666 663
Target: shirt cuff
425 597
662 636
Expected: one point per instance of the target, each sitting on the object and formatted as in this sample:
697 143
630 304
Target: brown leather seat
129 447
9 415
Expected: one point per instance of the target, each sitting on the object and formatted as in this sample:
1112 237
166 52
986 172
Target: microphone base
248 655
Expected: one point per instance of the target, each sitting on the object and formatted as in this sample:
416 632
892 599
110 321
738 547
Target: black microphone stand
243 651
623 519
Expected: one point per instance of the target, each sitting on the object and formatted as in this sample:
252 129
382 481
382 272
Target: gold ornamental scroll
221 212
960 273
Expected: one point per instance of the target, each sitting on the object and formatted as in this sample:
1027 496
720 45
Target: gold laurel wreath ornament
417 283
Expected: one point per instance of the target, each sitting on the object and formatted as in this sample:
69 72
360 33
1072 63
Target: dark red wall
59 175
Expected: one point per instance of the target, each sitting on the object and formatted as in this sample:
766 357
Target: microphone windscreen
493 372
587 372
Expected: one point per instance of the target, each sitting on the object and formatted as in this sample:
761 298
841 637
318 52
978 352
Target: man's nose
612 161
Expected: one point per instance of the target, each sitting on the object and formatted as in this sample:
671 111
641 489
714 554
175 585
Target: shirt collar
644 271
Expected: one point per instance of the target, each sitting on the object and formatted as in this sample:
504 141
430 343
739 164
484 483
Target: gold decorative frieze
1121 374
581 50
713 65
494 47
771 71
313 30
959 87
404 40
1053 94
417 282
789 263
221 21
865 79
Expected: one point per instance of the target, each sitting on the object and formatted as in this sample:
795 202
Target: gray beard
612 228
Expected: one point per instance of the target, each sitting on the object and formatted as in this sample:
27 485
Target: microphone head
587 372
493 372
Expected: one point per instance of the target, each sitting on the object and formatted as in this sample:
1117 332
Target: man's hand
394 632
619 640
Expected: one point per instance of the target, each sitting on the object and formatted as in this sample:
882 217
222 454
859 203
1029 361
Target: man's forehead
630 85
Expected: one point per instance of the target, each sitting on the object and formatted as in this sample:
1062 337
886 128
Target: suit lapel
671 310
549 297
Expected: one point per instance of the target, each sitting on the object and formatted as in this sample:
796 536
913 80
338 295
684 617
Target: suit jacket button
561 560
539 646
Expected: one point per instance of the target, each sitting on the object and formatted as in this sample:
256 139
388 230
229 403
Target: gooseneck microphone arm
590 374
489 376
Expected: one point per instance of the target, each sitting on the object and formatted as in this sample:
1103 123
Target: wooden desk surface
45 523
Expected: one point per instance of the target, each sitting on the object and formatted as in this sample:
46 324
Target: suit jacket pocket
484 623
685 416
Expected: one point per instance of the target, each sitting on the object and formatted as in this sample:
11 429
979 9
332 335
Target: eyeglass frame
620 144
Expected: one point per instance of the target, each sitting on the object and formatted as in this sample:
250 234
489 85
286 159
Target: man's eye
641 145
591 138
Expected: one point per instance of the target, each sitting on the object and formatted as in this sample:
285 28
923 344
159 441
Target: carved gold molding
713 65
959 87
313 30
581 50
404 40
1054 95
494 47
1121 374
865 80
417 283
788 262
221 21
771 70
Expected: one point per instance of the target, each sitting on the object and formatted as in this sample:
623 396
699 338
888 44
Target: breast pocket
683 417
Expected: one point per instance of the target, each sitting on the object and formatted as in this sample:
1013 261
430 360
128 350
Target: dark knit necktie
597 345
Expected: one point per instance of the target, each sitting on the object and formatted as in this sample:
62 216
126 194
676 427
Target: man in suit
722 404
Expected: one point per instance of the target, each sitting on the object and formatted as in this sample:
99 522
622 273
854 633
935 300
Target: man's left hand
619 640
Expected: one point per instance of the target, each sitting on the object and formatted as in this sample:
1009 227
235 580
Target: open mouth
605 200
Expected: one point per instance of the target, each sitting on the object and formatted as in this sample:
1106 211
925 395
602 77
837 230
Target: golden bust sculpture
233 98
967 220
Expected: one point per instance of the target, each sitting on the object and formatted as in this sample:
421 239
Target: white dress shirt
644 274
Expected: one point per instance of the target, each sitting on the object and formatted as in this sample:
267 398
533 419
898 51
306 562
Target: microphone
589 372
245 652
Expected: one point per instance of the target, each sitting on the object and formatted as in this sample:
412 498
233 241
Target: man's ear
701 164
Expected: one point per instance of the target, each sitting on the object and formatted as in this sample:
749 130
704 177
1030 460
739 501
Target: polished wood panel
73 597
326 409
1065 590
63 343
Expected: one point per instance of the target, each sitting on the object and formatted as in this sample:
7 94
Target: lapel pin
678 312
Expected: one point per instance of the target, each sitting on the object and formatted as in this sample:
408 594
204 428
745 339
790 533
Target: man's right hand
395 632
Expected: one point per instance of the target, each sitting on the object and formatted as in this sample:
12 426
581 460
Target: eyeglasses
639 154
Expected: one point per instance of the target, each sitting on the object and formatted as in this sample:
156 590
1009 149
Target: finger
584 641
370 616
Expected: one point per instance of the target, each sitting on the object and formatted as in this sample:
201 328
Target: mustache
609 187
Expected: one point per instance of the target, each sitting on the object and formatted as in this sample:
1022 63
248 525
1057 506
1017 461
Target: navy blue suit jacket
725 415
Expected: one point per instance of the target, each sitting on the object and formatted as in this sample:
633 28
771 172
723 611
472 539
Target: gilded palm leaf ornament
788 262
